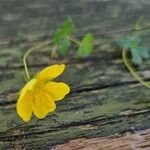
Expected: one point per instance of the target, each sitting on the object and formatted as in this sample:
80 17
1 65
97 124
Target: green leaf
138 54
133 43
60 37
63 31
123 43
129 42
63 47
86 46
143 52
68 26
136 58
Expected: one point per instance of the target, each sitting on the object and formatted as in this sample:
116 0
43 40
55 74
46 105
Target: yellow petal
57 91
28 87
51 72
24 103
42 105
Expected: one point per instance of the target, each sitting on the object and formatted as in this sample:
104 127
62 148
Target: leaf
85 46
136 58
143 52
123 43
139 54
63 31
63 47
133 43
68 26
129 42
60 37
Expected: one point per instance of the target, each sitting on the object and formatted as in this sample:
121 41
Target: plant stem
54 52
73 40
40 45
131 69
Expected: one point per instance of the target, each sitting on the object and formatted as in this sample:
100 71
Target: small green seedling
61 42
138 52
63 39
132 44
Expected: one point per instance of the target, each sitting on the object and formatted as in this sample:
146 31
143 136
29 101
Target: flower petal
57 91
24 103
42 105
51 72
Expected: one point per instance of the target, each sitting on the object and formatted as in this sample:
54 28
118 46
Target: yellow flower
40 93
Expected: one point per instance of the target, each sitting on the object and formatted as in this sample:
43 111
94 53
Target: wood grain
138 141
105 99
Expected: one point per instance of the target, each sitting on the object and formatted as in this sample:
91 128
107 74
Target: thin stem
73 40
41 45
131 69
54 52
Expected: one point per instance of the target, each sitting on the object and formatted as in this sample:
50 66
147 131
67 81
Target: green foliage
60 37
63 47
63 40
134 44
85 46
129 42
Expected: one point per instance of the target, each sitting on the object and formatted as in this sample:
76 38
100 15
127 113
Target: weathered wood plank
27 20
139 140
105 99
86 114
94 72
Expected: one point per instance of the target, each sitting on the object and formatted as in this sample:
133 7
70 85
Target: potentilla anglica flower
40 93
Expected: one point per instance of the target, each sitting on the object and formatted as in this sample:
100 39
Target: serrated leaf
138 54
136 58
60 37
129 42
133 43
63 48
63 31
68 26
123 43
85 46
143 52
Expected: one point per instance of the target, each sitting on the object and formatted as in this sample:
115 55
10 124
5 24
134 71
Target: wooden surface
137 141
105 99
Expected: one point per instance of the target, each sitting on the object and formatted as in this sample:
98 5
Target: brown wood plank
138 141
